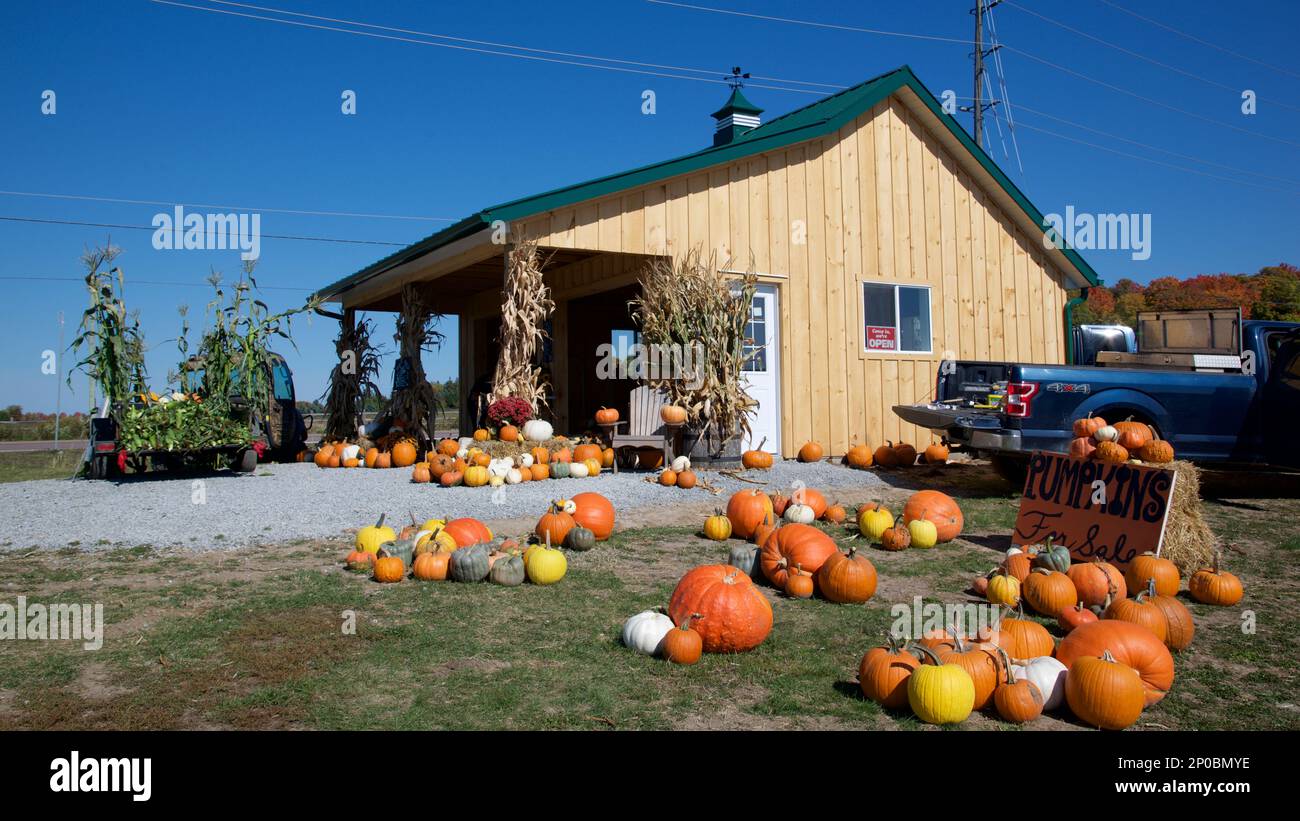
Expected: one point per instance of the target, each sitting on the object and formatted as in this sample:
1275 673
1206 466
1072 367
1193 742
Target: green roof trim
825 116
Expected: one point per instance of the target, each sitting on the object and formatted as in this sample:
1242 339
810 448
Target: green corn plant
109 340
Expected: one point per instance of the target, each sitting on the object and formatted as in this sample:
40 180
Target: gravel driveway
281 503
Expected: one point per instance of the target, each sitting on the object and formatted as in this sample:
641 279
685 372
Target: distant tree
1279 298
13 413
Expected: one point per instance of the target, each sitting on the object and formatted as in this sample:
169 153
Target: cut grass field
254 638
24 466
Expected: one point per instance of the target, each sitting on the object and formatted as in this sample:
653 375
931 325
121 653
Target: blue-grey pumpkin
580 539
470 564
1053 557
507 570
745 557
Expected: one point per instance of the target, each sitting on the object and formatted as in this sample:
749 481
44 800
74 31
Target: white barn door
762 372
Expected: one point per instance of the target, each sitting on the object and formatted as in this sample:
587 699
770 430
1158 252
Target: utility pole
58 395
979 106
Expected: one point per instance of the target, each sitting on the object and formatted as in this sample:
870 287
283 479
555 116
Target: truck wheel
1013 469
247 462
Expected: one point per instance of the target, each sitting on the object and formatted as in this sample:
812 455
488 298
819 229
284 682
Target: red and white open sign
881 338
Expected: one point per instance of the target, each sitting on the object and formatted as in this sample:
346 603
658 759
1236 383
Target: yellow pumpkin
593 466
924 533
545 565
940 693
718 527
873 523
370 537
476 476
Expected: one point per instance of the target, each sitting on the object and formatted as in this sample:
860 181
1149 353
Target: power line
1138 55
413 41
1157 162
88 198
1013 49
1200 40
840 27
169 283
206 233
668 67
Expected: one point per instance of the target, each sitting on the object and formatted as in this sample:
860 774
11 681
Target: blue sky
159 102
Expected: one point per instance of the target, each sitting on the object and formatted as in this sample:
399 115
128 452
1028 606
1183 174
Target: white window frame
898 331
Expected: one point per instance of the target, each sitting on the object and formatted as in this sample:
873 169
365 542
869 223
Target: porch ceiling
448 292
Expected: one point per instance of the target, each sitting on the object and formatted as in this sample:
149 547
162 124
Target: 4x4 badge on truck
1068 387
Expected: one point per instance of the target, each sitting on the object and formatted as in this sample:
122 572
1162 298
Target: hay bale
1189 543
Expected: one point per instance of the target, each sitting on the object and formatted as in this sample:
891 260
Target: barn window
896 318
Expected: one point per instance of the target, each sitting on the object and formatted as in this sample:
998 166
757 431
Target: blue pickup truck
1229 410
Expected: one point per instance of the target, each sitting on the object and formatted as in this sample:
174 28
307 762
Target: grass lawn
252 639
23 466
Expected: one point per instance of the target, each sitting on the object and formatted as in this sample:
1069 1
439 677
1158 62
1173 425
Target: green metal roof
825 116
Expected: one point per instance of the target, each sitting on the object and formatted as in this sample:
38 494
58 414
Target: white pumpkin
537 430
350 452
1012 551
513 476
681 463
526 460
645 631
567 505
801 514
1048 675
463 453
578 470
1106 433
499 467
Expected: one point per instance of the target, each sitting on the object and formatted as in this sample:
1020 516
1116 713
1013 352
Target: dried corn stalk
414 405
692 310
525 306
352 380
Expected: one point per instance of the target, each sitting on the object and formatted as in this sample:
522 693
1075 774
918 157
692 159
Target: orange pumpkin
508 433
847 578
1157 451
1112 452
1095 580
1088 425
372 456
431 566
812 498
811 452
451 478
554 525
859 456
1133 435
1130 644
936 507
467 531
1150 566
1082 447
884 671
586 451
757 459
606 416
936 454
673 414
388 569
594 512
686 479
420 474
448 446
747 509
1048 591
667 478
403 453
540 455
733 614
540 471
794 544
1140 610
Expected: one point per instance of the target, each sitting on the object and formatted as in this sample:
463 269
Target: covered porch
591 290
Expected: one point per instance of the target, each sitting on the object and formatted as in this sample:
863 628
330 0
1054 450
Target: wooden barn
881 234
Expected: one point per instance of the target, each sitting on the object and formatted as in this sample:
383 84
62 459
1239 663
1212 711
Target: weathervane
736 79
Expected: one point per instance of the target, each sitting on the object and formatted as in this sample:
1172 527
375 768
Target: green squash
403 549
470 564
560 470
508 571
580 539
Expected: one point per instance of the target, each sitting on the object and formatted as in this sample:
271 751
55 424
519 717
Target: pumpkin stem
380 523
1006 664
929 655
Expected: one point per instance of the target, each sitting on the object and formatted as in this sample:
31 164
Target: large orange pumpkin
403 454
747 509
936 507
596 513
1130 644
847 579
734 615
791 545
586 451
1095 580
1133 435
467 531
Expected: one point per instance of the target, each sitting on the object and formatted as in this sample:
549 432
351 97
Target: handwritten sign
881 338
1103 510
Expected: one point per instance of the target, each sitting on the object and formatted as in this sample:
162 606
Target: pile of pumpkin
890 455
398 451
679 474
462 550
454 463
1121 442
929 517
1114 661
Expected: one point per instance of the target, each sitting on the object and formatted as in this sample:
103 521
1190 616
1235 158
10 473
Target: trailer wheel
247 462
99 467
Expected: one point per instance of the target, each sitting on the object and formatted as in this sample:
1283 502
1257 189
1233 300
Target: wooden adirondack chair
644 427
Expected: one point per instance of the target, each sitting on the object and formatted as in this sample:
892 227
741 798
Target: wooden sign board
1103 510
